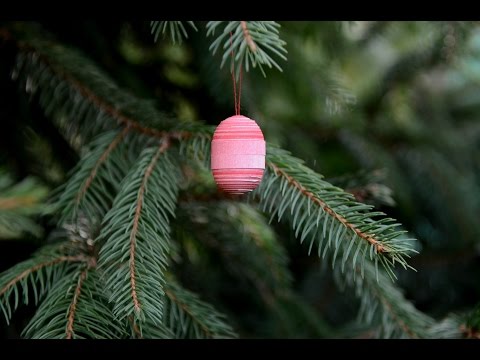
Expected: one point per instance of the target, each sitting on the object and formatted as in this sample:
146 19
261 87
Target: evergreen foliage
139 244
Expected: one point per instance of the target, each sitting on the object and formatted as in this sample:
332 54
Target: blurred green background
387 110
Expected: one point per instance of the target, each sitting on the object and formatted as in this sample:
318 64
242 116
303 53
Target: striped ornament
238 155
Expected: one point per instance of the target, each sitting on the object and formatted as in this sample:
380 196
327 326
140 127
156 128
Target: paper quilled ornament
238 155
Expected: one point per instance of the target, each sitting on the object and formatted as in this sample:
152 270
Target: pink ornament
238 155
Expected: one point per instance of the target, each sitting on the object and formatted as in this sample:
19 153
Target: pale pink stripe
245 147
238 162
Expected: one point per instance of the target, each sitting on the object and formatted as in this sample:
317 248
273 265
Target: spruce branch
176 29
189 317
292 181
74 92
95 179
136 333
40 272
38 267
252 43
75 307
451 327
136 219
135 192
245 243
150 330
98 163
18 203
248 38
456 326
382 304
135 233
328 215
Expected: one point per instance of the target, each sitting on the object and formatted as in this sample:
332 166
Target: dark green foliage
247 246
325 214
385 307
176 29
250 43
139 219
135 234
41 272
96 179
190 318
75 308
18 204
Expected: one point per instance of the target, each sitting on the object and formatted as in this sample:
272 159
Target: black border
243 349
234 10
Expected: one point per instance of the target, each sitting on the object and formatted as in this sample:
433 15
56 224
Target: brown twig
135 328
133 235
37 267
73 305
379 248
185 308
99 162
248 38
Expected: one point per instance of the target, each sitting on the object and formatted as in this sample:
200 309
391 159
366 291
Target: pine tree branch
89 192
75 308
24 274
328 215
250 42
151 330
189 317
73 305
142 243
18 203
176 29
458 326
47 57
136 329
38 275
396 318
383 305
136 237
133 235
248 38
379 248
99 162
91 96
96 100
242 240
185 308
101 103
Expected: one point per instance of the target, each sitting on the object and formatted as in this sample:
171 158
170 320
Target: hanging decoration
238 150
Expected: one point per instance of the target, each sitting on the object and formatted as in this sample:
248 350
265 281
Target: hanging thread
238 147
236 103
